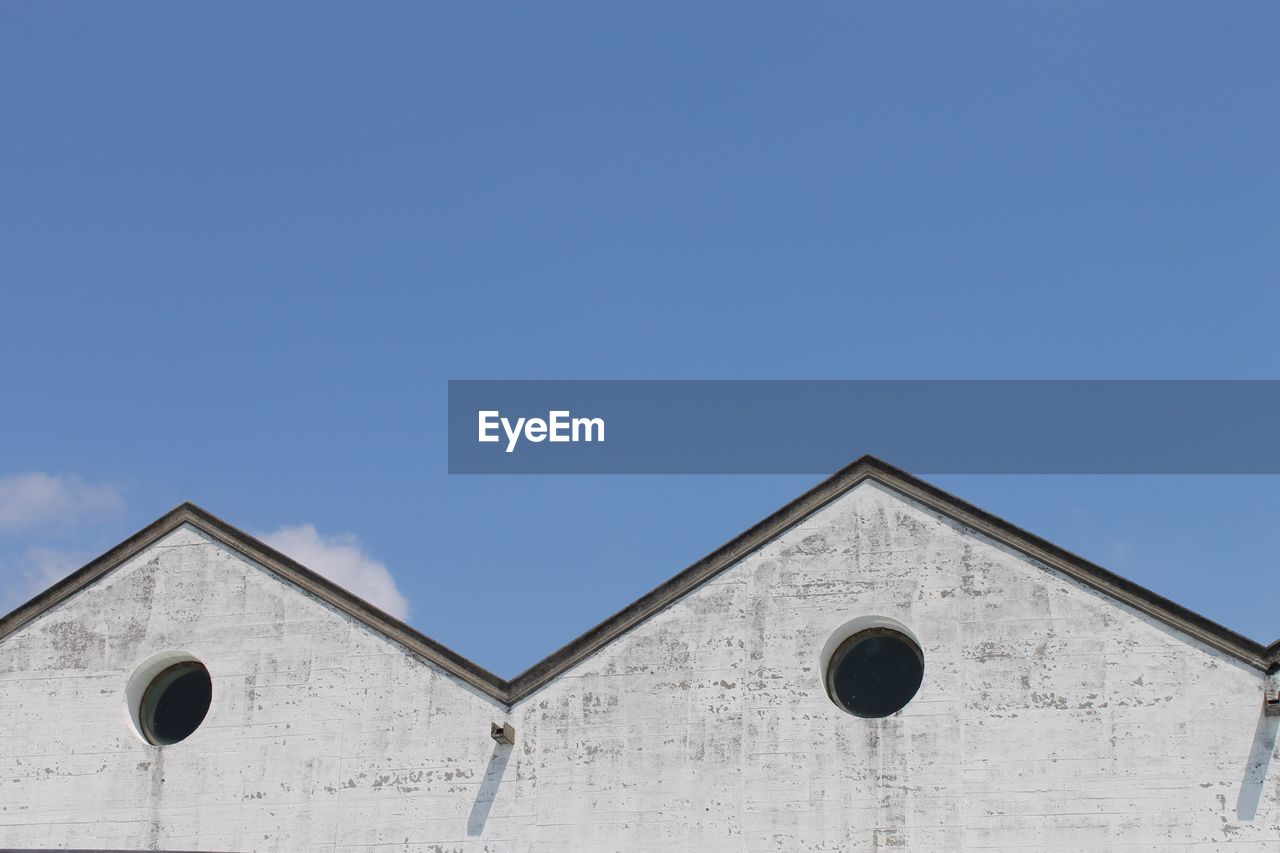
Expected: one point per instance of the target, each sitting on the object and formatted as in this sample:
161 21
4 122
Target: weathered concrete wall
1049 719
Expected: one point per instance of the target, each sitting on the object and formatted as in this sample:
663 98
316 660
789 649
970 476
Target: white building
1059 707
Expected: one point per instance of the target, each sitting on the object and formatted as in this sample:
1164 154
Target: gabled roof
1250 652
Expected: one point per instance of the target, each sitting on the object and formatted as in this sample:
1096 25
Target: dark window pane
875 673
176 702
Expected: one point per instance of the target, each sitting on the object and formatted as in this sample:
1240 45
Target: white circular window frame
141 680
857 626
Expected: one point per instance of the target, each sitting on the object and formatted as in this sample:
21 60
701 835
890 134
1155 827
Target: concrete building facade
1061 707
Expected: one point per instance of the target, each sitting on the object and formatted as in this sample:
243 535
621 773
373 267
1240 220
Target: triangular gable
1193 625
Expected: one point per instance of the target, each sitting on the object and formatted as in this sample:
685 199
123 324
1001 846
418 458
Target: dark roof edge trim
1135 595
1219 637
280 564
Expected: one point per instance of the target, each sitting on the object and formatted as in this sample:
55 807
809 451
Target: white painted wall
1050 718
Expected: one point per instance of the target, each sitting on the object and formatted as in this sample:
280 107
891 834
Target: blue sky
243 247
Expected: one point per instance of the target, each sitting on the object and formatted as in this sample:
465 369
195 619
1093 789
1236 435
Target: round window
875 672
175 702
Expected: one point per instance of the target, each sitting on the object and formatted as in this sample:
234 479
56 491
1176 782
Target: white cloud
29 500
340 559
32 572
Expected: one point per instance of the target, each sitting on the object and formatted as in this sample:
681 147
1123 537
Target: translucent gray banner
816 426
